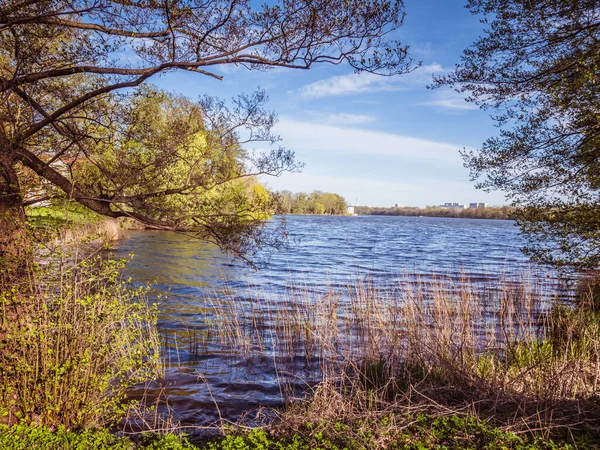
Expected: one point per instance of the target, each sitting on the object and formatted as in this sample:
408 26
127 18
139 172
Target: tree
301 203
285 201
317 202
177 169
333 203
317 207
538 68
65 63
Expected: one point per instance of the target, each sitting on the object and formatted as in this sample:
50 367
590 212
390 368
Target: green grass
404 432
31 438
58 215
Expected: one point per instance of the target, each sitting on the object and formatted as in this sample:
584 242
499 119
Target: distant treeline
316 202
502 212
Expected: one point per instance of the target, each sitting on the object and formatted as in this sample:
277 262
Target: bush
73 345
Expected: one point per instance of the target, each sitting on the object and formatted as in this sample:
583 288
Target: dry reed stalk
499 350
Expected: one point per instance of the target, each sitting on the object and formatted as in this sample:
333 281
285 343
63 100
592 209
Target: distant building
351 210
477 205
453 206
399 205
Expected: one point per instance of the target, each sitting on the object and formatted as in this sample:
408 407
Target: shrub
74 344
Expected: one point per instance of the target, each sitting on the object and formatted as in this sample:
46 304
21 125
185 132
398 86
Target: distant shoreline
399 215
492 212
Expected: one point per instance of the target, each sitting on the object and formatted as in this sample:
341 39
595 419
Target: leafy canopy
538 69
72 116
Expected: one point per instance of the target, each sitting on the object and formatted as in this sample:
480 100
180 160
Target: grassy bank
68 216
61 214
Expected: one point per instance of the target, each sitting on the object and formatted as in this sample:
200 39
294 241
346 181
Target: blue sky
385 140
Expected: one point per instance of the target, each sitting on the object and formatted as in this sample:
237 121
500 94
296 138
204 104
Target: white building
453 206
477 205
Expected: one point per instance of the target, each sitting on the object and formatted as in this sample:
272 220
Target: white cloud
449 99
344 185
345 119
344 84
320 137
368 82
422 50
380 168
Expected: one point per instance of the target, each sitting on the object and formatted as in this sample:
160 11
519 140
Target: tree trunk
15 254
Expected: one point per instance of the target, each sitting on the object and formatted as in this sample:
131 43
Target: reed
500 351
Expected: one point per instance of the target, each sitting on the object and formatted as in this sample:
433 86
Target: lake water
325 253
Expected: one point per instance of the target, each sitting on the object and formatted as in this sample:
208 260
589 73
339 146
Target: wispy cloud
368 82
451 100
344 119
378 167
350 186
345 84
422 50
320 137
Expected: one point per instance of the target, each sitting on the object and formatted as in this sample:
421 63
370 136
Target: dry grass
501 352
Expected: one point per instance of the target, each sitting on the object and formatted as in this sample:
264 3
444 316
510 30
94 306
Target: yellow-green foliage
60 213
166 149
23 437
74 345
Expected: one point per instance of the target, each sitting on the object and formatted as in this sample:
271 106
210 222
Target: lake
208 380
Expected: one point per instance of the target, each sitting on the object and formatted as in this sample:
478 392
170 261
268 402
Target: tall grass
503 352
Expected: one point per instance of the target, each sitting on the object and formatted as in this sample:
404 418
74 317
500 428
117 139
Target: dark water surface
326 253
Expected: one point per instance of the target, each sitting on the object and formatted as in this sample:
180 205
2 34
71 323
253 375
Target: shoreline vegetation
315 203
327 203
489 212
439 365
430 365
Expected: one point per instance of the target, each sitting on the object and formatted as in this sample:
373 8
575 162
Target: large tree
175 164
63 64
537 67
